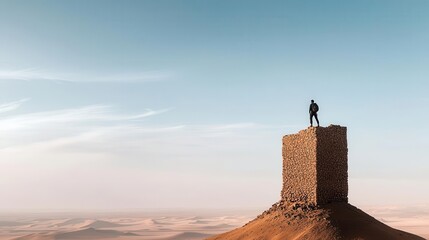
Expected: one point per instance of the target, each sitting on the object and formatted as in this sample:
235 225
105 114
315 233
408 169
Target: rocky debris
294 210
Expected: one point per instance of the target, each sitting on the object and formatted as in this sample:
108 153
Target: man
314 108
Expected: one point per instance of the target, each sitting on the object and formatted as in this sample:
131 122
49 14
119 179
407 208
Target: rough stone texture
315 166
299 167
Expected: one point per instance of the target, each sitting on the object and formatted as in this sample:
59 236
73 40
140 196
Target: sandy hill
332 221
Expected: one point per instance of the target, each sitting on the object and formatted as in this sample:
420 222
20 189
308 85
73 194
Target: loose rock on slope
332 221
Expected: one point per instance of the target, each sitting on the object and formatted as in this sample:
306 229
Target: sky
183 104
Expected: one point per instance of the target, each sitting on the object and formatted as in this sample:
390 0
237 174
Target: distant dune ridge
73 221
187 236
87 234
11 224
314 202
102 224
120 226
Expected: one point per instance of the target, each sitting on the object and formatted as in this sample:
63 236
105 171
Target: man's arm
309 110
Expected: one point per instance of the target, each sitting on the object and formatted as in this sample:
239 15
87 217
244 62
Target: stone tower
315 166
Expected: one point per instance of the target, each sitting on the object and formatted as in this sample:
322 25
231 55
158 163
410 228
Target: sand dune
37 236
12 224
89 233
188 236
149 222
73 221
161 222
200 222
102 224
219 226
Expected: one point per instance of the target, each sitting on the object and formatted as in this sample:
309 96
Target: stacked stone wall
299 167
332 182
315 165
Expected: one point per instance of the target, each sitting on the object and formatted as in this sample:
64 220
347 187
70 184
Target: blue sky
149 104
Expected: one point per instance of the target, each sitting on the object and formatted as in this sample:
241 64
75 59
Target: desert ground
167 224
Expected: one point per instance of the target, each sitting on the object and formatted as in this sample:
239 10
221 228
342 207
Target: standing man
314 108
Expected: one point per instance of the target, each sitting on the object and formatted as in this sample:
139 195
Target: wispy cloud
92 113
34 74
10 106
27 74
99 129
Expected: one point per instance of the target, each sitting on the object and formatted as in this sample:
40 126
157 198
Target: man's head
312 101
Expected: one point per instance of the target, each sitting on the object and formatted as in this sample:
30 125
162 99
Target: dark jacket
311 108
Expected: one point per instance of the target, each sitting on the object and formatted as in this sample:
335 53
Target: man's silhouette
314 108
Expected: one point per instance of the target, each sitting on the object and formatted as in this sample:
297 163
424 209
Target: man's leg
317 119
311 119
